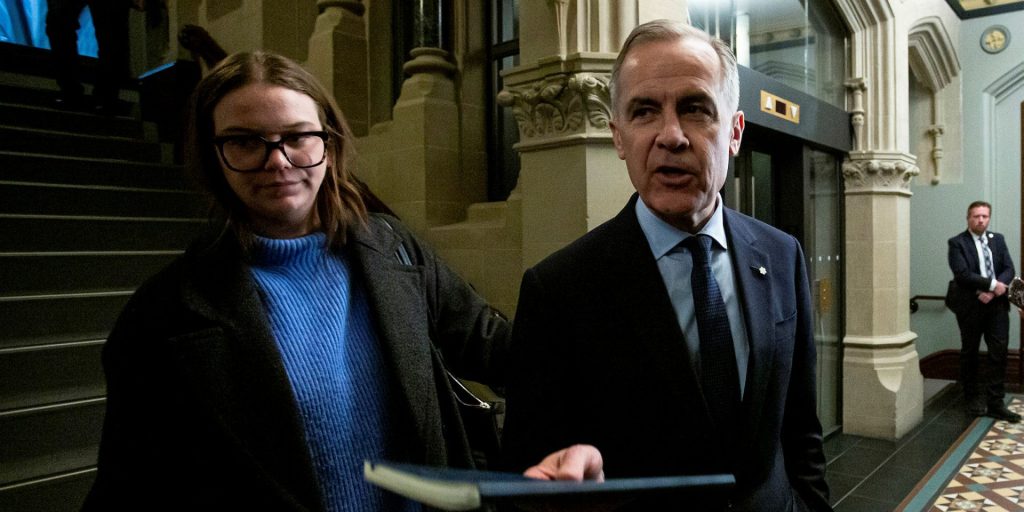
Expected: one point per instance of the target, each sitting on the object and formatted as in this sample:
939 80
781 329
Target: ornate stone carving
879 173
936 131
856 88
560 104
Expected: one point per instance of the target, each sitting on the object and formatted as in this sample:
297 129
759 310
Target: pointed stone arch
861 14
872 58
999 91
932 54
934 62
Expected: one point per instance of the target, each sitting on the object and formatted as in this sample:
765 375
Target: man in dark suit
675 338
982 267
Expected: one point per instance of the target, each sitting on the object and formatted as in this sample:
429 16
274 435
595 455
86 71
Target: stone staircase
89 207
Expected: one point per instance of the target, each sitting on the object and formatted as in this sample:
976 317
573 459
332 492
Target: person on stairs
110 18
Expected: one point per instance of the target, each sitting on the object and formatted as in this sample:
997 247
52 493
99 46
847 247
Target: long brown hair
338 202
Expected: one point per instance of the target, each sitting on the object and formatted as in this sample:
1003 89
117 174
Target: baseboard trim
945 364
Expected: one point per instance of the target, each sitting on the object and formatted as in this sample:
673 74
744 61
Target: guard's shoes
1000 412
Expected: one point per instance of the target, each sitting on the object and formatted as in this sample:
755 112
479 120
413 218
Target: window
503 132
801 43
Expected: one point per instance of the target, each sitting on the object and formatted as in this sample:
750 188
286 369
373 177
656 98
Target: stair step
49 440
487 212
90 207
44 168
30 96
43 93
63 492
56 273
33 61
51 319
33 321
53 119
76 144
49 199
42 233
49 374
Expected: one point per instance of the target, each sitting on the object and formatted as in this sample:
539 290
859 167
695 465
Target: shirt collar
663 237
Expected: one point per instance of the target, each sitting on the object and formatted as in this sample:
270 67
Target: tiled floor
869 475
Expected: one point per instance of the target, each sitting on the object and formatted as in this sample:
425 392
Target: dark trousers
984 383
110 18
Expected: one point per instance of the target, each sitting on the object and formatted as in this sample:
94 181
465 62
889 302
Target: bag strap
401 254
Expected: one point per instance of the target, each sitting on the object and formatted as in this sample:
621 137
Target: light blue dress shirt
675 266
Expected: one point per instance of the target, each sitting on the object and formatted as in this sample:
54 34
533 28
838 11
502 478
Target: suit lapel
235 368
395 292
633 274
971 249
755 293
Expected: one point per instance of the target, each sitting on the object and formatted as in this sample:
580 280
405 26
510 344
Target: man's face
674 129
977 219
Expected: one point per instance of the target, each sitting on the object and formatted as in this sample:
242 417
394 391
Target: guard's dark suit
976 319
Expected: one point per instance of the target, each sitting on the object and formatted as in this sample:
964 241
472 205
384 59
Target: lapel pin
763 271
990 235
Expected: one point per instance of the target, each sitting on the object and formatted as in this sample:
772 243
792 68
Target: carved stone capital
559 105
879 173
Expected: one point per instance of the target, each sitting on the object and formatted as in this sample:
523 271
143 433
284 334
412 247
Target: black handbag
483 412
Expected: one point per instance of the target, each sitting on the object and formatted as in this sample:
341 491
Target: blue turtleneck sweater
321 322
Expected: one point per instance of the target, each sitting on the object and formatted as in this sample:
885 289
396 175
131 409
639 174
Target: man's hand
1000 289
578 462
986 297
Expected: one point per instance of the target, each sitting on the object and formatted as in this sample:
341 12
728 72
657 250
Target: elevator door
785 182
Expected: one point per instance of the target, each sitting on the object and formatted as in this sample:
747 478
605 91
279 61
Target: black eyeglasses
249 153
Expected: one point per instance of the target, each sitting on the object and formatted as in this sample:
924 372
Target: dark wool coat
200 413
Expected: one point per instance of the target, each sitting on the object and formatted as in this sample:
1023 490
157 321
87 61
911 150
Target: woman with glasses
300 337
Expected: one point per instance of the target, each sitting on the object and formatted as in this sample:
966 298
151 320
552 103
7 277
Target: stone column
425 117
882 384
429 29
338 58
571 179
883 391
